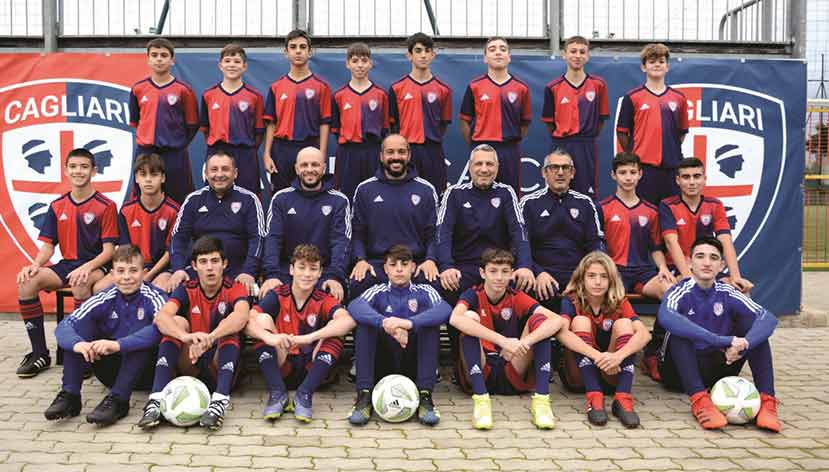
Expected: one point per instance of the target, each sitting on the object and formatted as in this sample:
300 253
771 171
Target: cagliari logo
41 122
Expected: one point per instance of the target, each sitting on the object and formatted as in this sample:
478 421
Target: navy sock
168 353
589 372
32 313
228 360
428 347
323 362
471 348
267 358
132 366
73 365
625 378
541 356
365 346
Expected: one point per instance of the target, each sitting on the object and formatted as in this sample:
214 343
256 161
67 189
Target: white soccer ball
737 398
184 400
395 398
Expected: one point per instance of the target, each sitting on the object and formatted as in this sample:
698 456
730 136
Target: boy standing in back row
575 108
298 112
421 109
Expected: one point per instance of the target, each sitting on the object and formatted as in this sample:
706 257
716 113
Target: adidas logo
203 209
292 211
691 312
467 205
196 310
29 326
162 362
327 358
629 368
484 97
475 370
347 106
615 218
215 106
63 217
585 361
265 356
564 100
136 224
545 367
287 318
388 309
378 199
144 99
229 366
644 107
113 316
283 96
544 213
681 221
408 96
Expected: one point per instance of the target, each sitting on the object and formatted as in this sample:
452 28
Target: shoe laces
62 395
217 407
108 401
363 399
274 396
426 400
151 406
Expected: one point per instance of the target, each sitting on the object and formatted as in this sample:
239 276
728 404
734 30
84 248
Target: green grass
815 237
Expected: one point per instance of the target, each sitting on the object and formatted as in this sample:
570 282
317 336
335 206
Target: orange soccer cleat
767 417
707 415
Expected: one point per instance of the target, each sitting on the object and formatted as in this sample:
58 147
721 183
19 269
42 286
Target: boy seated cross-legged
298 331
505 347
201 324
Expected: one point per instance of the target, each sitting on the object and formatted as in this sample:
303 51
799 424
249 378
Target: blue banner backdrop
755 105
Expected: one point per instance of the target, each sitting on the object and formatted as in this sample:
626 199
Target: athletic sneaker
302 406
110 410
214 417
707 415
427 413
151 416
596 413
65 405
542 410
649 367
277 403
767 416
482 411
361 412
622 408
33 364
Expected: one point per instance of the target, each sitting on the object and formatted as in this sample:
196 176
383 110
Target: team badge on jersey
672 106
512 97
222 308
162 224
496 201
590 95
88 217
706 219
431 97
607 324
506 313
415 199
139 313
643 220
718 308
372 105
172 99
326 210
311 320
243 105
45 118
309 93
574 212
413 304
235 207
739 134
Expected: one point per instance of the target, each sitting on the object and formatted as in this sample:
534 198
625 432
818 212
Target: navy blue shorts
584 152
179 182
500 377
283 153
634 278
430 161
657 184
355 163
63 267
509 163
247 162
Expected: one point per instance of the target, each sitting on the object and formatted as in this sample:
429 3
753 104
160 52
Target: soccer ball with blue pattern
737 398
395 398
184 401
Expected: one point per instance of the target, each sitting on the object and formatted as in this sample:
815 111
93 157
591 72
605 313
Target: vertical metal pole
310 17
768 18
50 25
300 14
797 22
159 29
554 24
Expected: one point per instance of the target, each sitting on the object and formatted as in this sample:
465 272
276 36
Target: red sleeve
626 310
325 104
386 123
526 112
683 115
109 224
524 304
447 106
656 236
603 108
191 107
329 306
237 293
721 225
259 111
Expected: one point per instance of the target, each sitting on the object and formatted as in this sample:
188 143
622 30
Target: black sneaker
152 415
426 412
33 364
361 412
110 410
596 413
213 418
65 405
622 408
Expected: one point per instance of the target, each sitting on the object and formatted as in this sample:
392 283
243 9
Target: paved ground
668 440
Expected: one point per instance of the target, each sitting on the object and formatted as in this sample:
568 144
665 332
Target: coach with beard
310 211
393 207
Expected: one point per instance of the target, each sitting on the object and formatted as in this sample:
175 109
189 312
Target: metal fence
816 187
748 21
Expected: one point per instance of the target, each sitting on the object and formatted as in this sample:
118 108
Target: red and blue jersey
165 116
602 321
360 116
632 233
575 110
709 219
317 311
205 313
80 228
496 112
298 107
420 111
148 230
504 316
656 125
232 118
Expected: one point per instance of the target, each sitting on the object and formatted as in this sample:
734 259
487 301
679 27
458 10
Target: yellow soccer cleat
541 408
482 413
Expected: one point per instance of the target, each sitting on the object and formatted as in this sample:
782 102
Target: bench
60 311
